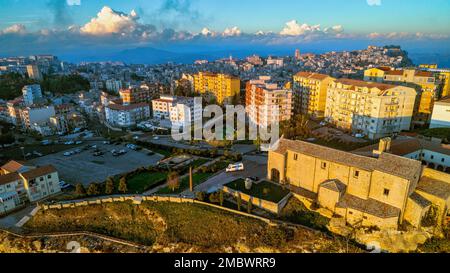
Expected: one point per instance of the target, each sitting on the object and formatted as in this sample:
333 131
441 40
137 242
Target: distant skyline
82 27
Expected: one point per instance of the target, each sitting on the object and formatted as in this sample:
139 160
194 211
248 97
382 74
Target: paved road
254 166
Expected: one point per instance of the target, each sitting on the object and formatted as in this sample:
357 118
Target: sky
74 26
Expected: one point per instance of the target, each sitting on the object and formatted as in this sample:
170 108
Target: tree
123 185
200 196
7 139
80 190
239 201
221 197
109 187
249 206
173 181
93 189
214 198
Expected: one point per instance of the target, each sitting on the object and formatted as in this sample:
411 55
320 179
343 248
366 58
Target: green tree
173 181
200 196
123 185
221 197
80 190
249 206
93 189
239 201
109 186
6 139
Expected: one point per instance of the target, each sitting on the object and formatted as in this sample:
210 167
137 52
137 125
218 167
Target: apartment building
34 72
21 183
179 110
310 93
441 114
32 94
262 96
14 108
378 192
223 88
36 114
373 109
127 115
137 94
425 82
113 85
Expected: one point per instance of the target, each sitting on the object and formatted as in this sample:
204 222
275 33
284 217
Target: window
386 192
432 157
41 179
356 174
49 176
323 165
365 217
443 160
350 212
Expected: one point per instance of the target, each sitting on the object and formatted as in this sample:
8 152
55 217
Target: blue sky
252 15
76 26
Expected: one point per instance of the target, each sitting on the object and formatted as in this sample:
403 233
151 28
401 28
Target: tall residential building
382 192
14 108
441 114
261 96
220 86
137 94
424 82
179 110
35 115
113 85
310 93
443 74
127 115
34 72
31 94
374 109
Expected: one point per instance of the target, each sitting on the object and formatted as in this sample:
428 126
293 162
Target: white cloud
207 32
73 2
16 28
293 28
109 21
405 36
234 31
374 2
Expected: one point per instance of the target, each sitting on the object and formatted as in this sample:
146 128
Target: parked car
79 142
98 153
235 167
67 153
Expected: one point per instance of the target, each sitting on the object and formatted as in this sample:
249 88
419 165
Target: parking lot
86 168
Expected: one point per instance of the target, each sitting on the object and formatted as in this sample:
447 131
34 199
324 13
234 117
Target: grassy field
296 212
182 228
143 181
197 178
264 190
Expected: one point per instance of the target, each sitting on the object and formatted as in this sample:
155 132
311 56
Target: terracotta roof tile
41 171
8 178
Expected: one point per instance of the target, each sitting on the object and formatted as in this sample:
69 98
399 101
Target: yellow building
373 109
310 93
366 191
223 88
428 66
376 74
425 82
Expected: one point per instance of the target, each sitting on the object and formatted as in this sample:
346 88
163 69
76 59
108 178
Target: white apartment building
263 97
31 94
441 114
127 115
275 62
36 115
113 85
179 110
373 109
20 183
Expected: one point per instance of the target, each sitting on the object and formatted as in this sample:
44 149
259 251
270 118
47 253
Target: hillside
170 227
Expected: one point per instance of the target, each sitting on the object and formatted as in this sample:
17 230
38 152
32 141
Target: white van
235 167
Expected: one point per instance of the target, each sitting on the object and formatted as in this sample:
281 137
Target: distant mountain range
150 55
